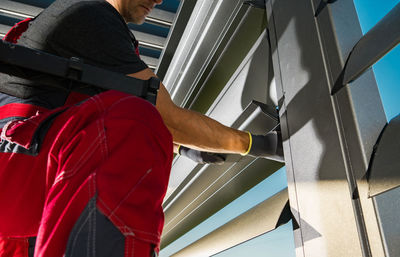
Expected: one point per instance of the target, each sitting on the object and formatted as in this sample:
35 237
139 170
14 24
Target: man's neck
116 4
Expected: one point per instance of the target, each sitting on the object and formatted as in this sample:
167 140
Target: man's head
134 10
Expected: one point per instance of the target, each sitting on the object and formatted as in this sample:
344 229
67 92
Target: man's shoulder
81 15
62 7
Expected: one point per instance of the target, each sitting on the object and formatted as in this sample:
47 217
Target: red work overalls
88 178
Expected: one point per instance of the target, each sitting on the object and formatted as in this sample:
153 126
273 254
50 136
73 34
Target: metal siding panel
183 14
388 208
385 167
248 225
374 45
207 189
327 140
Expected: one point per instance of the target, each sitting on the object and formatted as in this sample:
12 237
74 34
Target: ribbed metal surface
151 35
260 219
196 192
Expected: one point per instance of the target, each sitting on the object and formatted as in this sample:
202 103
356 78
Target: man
85 171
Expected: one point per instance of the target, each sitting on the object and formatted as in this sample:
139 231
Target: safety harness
23 62
27 63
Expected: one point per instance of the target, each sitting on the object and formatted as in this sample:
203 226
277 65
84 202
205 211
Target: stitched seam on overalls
92 208
125 230
72 247
82 160
99 141
130 191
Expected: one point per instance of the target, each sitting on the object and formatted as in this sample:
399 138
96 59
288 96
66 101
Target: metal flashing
384 173
261 219
383 37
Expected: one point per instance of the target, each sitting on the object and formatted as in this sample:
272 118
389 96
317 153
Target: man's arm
196 130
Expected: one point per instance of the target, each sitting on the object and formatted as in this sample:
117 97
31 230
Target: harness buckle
75 68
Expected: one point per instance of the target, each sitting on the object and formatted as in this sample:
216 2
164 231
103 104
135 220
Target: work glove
202 157
268 146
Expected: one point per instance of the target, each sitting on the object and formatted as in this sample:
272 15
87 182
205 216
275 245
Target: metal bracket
370 48
152 90
384 169
322 5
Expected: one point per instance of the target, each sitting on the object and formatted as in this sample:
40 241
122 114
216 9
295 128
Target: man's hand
202 157
268 146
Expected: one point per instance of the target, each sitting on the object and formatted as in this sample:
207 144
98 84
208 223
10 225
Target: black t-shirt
89 29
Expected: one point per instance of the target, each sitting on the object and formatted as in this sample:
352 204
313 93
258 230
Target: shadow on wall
258 84
309 119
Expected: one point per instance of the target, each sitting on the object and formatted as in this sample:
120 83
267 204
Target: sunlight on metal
158 21
267 188
18 14
345 125
151 45
255 222
200 41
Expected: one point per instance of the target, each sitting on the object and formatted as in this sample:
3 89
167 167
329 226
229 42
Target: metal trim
260 219
383 37
206 189
384 173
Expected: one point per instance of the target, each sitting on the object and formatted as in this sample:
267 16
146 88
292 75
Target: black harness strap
22 61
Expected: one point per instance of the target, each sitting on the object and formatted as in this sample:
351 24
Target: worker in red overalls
84 171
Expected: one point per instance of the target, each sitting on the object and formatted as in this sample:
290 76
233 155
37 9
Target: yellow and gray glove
268 146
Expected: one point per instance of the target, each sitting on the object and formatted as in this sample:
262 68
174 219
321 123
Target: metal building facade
236 63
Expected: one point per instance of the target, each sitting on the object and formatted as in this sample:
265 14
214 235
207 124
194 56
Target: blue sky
279 243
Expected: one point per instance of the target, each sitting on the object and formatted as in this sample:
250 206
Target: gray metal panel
4 29
368 119
233 105
196 191
385 166
149 40
151 62
182 16
327 141
388 209
160 17
372 46
258 220
255 118
207 189
24 10
157 16
201 39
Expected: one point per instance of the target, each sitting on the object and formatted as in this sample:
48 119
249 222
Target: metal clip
152 90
